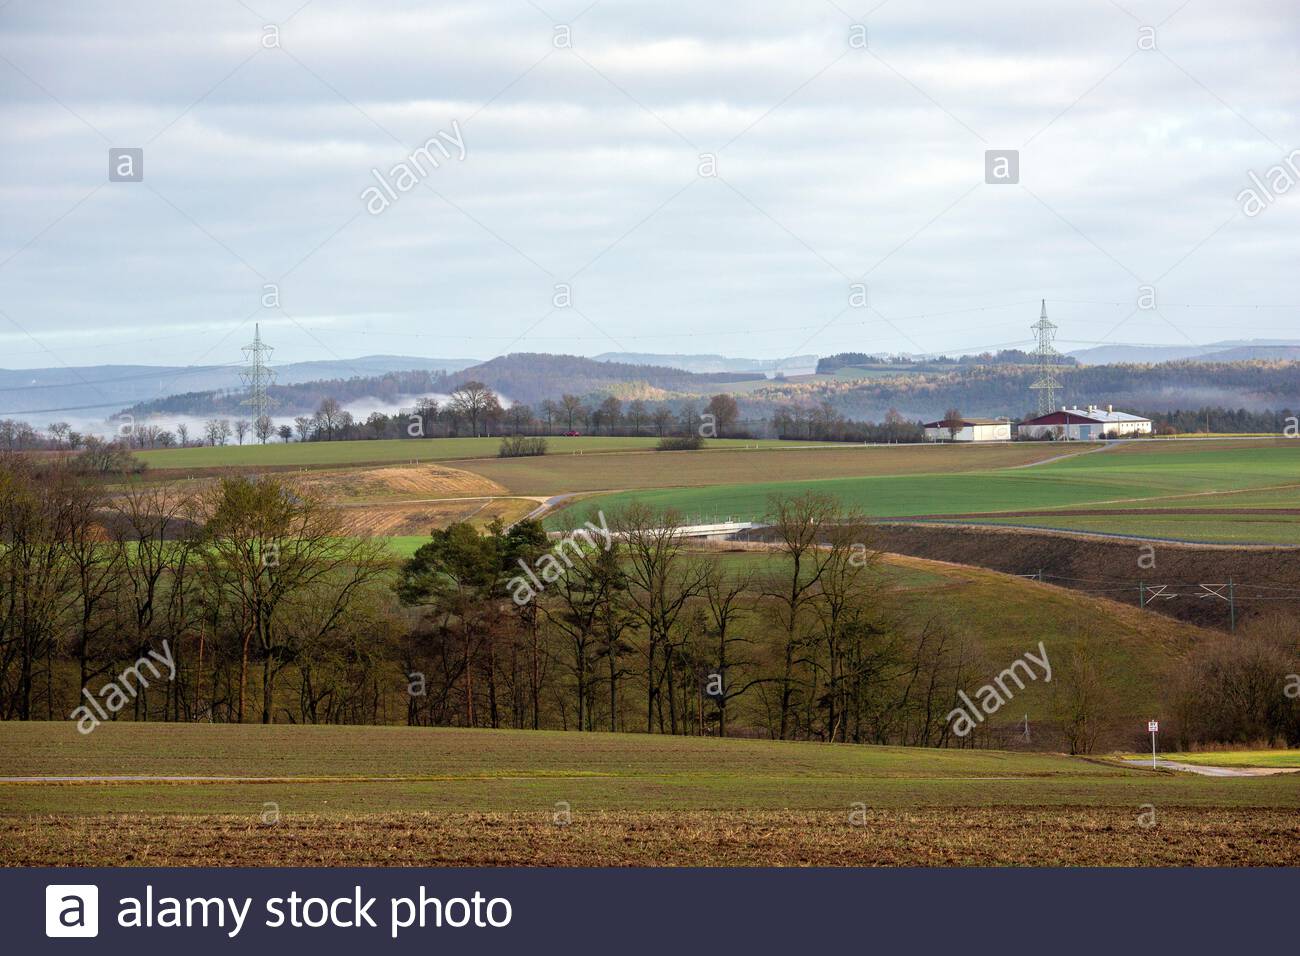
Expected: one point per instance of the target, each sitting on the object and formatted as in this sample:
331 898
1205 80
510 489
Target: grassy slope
1005 616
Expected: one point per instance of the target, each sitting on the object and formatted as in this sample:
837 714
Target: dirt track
1265 579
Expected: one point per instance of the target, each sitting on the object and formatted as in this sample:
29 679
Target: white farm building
1085 424
968 429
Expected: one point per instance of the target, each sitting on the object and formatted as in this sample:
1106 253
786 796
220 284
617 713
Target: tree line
271 610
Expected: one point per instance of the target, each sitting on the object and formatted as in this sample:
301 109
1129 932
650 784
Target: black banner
634 911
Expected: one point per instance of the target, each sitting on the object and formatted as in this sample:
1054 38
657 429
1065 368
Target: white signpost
1154 727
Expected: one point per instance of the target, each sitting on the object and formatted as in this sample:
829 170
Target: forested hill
936 363
532 376
1004 390
918 394
523 377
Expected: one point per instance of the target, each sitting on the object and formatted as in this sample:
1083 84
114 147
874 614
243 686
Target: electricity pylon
258 376
1046 385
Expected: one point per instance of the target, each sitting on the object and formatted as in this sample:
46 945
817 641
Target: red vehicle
572 434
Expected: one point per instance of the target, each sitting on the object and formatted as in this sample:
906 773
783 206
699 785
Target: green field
1133 476
1208 529
351 769
392 450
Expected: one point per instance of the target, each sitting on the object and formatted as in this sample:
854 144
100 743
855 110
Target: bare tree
725 411
327 417
662 582
571 405
611 412
473 400
283 557
636 414
799 524
662 418
952 421
1081 697
725 599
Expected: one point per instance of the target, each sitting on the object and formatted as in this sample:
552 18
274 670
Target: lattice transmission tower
1046 355
258 376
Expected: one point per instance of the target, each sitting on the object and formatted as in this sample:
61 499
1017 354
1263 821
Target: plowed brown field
948 836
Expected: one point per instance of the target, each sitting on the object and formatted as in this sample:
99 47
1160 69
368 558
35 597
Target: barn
1085 424
968 429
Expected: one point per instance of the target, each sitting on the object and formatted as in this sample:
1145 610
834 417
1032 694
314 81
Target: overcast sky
834 165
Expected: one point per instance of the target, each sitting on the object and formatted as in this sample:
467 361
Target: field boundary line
1071 533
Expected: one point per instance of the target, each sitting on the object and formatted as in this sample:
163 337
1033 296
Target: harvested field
400 482
964 836
557 474
416 519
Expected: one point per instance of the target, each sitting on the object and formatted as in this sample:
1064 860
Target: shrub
102 458
521 446
1235 692
681 443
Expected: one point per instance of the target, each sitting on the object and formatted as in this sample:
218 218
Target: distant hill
991 390
918 391
522 377
103 389
533 376
794 365
833 363
1249 353
1230 351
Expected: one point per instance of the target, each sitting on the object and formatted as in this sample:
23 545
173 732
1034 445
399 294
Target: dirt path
1069 454
1206 771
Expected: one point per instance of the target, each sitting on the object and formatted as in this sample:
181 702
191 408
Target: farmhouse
968 429
1084 424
